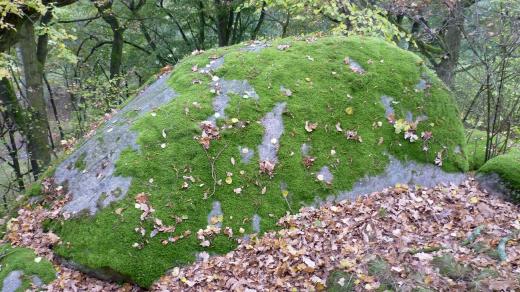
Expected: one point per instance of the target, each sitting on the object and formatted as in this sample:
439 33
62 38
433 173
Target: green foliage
12 259
34 190
101 95
110 237
476 148
80 162
449 267
17 7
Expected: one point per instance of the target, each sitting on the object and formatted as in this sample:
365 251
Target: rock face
89 172
236 137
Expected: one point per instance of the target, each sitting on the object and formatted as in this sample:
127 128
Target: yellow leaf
428 280
349 110
473 200
346 264
229 180
401 125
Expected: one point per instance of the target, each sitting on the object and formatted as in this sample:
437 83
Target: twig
212 161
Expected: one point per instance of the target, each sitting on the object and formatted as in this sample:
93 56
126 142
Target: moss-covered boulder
234 138
21 269
501 175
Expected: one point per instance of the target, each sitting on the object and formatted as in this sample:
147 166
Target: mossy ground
23 259
507 166
319 95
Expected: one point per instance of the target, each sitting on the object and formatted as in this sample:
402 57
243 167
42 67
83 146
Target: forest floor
442 238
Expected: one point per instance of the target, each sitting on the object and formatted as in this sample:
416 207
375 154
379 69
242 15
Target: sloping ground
237 137
443 238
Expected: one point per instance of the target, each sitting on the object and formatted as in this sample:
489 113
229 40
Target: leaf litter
441 238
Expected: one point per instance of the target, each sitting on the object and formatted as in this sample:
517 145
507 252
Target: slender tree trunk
14 117
38 140
54 109
285 25
13 153
202 26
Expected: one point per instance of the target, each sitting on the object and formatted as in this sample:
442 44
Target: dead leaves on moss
209 132
399 225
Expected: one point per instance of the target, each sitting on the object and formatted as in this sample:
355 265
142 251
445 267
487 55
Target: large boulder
234 138
501 175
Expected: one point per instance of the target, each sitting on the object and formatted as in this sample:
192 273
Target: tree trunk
54 108
13 153
260 22
38 141
202 26
116 56
14 117
452 39
224 18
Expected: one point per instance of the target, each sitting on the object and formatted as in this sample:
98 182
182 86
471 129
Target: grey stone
305 149
387 103
96 186
226 87
409 172
457 149
255 46
409 117
256 223
495 185
246 153
215 212
273 130
213 66
36 281
327 175
355 66
421 85
13 281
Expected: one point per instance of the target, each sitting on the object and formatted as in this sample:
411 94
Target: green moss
507 166
319 95
380 269
80 163
23 259
449 267
339 281
35 189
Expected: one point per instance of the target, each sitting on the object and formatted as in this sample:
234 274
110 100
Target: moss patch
80 163
23 259
174 170
507 166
